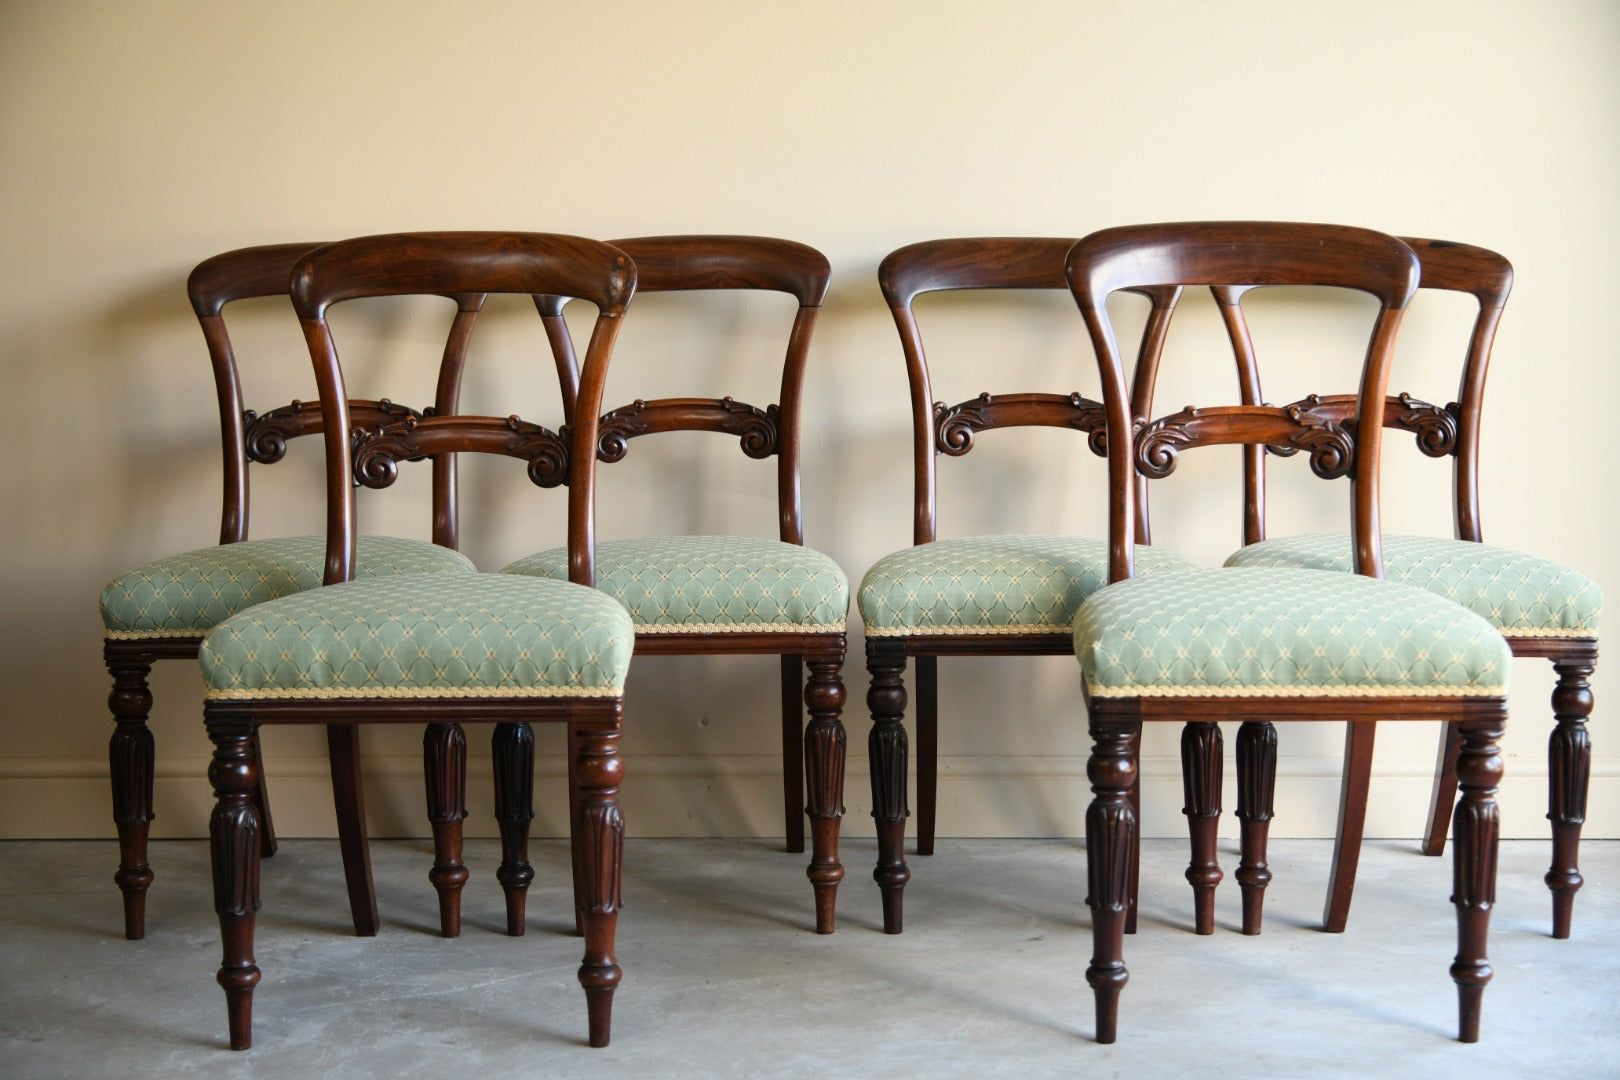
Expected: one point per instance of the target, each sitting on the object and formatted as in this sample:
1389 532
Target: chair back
1236 257
465 265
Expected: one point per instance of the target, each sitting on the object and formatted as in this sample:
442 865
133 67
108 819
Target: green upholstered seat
1522 595
185 596
423 635
1251 632
712 584
992 584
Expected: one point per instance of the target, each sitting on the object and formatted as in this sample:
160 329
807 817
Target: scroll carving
956 425
1435 426
758 430
377 453
265 437
1288 430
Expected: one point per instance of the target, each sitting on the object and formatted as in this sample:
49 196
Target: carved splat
955 425
1434 426
1329 442
377 453
757 429
265 437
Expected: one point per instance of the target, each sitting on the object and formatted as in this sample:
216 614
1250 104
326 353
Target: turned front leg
444 765
1201 749
1474 834
233 833
129 761
886 751
1111 845
1257 786
512 754
596 776
824 751
1569 761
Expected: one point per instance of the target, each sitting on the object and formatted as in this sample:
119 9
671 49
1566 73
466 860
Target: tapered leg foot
824 751
129 766
1569 760
598 774
444 765
1201 749
512 753
1475 832
1358 756
887 752
1111 847
234 854
1257 785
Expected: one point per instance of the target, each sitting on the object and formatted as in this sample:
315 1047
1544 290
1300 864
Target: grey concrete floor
723 977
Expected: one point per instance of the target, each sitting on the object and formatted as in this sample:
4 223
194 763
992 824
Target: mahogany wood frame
815 751
1246 255
245 437
467 265
936 265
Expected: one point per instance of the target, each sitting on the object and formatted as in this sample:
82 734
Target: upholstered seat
1254 632
423 636
1521 595
186 595
712 584
991 584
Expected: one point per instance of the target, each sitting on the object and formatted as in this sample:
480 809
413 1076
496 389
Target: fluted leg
927 676
1473 850
601 831
1569 761
129 765
1444 795
444 765
1201 748
1111 845
886 750
512 753
233 832
348 797
1257 785
824 749
1358 757
793 753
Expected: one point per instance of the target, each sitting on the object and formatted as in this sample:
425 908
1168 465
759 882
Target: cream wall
138 138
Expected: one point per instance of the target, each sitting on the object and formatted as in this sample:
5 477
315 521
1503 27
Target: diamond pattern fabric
712 584
187 595
423 635
1521 595
992 584
1253 632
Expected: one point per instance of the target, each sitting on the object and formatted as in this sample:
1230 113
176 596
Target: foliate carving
1434 426
1286 431
377 453
444 766
956 425
233 827
825 741
601 855
1201 746
265 437
756 429
512 755
1257 770
1110 821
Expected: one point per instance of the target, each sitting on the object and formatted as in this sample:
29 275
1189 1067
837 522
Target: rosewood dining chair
1541 607
1003 595
435 649
163 610
725 595
1260 644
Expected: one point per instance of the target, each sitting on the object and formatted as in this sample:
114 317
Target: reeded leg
1201 748
444 765
1358 756
1111 845
1257 785
886 750
601 831
233 833
927 674
824 749
1444 795
512 753
129 765
348 796
1569 761
1473 851
793 753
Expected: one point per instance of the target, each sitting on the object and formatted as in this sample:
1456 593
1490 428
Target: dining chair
1258 644
725 595
163 610
1542 608
1001 595
435 649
